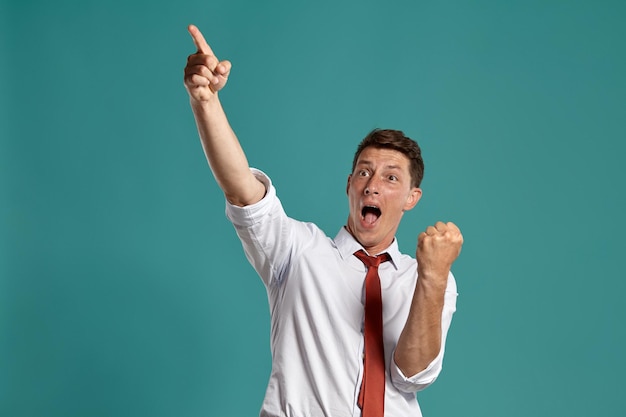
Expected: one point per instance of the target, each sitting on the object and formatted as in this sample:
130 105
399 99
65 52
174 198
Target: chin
366 238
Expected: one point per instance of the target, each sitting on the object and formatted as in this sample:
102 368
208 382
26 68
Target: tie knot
370 261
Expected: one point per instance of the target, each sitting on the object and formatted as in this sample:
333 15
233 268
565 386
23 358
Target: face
379 192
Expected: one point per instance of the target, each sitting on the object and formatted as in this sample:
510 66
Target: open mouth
370 214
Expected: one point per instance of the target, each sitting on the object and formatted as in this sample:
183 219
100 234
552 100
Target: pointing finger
199 41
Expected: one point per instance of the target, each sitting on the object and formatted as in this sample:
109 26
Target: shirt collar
347 245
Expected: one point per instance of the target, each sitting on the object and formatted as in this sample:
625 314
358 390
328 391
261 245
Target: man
335 352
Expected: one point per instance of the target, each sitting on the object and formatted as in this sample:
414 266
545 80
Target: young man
335 350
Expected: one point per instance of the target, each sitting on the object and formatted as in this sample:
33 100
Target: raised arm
420 340
205 75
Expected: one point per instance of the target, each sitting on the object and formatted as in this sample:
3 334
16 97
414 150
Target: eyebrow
369 163
394 167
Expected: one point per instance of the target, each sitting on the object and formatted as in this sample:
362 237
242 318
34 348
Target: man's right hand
205 75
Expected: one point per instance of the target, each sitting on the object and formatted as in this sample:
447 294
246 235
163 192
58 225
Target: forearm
226 158
420 340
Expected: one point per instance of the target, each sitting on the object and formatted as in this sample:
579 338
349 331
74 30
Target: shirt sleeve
266 232
426 377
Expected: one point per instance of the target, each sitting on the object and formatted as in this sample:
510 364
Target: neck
374 249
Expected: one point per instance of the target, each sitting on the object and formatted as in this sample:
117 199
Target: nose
371 187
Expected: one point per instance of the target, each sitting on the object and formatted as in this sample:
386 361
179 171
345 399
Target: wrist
433 277
211 103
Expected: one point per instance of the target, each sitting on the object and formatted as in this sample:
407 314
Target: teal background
110 218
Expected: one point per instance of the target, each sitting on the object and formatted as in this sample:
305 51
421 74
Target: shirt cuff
243 216
418 381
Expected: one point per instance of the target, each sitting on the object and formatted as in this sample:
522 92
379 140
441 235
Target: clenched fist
437 249
205 75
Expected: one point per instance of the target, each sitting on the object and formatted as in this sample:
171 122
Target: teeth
373 209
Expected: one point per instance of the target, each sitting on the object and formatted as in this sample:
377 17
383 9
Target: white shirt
315 288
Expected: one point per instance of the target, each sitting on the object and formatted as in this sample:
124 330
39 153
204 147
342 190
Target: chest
327 290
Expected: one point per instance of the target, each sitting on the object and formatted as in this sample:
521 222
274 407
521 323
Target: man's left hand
437 249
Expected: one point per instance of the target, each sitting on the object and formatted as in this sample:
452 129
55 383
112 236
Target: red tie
372 395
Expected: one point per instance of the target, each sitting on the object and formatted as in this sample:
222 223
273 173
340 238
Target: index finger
453 227
199 41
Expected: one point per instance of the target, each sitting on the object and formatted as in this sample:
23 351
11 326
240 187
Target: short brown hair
396 140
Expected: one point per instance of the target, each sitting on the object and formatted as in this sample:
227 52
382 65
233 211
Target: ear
348 184
414 196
